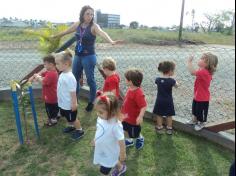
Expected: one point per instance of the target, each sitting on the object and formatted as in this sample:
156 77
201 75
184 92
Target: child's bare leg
126 134
169 125
159 121
77 125
194 118
169 122
119 165
159 125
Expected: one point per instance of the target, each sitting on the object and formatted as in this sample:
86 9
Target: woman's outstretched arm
70 30
104 35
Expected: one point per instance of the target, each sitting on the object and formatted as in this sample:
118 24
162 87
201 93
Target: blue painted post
17 113
33 110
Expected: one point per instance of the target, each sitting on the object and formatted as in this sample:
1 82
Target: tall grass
140 36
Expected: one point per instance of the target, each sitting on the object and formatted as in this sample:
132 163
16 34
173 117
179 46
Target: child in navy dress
164 106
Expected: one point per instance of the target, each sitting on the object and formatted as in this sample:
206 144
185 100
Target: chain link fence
17 58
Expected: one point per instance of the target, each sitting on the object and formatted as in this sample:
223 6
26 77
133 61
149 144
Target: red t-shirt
133 103
112 83
49 83
202 85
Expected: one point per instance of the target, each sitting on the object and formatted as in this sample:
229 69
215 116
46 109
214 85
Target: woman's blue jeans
86 63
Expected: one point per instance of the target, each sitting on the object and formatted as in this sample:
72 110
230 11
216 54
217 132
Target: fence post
33 110
181 21
16 110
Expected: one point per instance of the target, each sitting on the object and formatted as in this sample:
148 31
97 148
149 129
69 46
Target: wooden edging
224 139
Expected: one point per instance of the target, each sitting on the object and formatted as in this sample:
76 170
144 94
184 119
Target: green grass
147 36
140 36
56 154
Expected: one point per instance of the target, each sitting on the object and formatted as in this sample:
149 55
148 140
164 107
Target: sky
146 12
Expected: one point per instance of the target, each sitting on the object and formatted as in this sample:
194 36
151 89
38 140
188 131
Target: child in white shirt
109 142
66 94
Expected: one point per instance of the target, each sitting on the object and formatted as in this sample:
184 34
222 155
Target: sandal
169 130
50 124
159 130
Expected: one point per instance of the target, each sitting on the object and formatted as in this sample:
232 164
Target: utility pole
233 25
181 21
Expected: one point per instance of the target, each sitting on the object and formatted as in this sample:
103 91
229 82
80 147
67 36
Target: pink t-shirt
202 85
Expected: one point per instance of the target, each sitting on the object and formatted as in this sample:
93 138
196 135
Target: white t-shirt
107 149
66 84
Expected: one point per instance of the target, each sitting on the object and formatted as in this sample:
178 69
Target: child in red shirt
134 108
49 80
207 67
112 80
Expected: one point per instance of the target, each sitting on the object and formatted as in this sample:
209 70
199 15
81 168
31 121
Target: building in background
107 20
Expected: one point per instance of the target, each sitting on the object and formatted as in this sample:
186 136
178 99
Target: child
49 79
112 80
109 139
207 67
134 108
66 93
164 106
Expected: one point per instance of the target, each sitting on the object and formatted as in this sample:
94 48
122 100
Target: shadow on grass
208 160
165 155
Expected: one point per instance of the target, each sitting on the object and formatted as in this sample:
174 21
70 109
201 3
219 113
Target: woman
85 57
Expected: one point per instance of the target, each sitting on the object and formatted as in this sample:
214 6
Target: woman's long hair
82 12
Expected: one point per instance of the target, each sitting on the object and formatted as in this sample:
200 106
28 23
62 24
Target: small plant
47 44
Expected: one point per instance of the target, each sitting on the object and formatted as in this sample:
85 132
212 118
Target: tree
219 22
134 25
47 44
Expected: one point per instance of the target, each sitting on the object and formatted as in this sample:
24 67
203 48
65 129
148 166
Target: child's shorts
105 170
52 110
200 110
69 115
133 130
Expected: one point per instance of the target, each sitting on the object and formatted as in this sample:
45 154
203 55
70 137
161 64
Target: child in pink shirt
207 67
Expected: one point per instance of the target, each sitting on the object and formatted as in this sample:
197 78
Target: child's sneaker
139 143
68 129
191 122
199 126
129 143
118 172
78 134
54 121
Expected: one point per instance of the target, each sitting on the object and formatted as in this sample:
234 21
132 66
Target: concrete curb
224 139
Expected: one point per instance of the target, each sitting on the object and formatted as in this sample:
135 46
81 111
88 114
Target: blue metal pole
17 113
33 111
